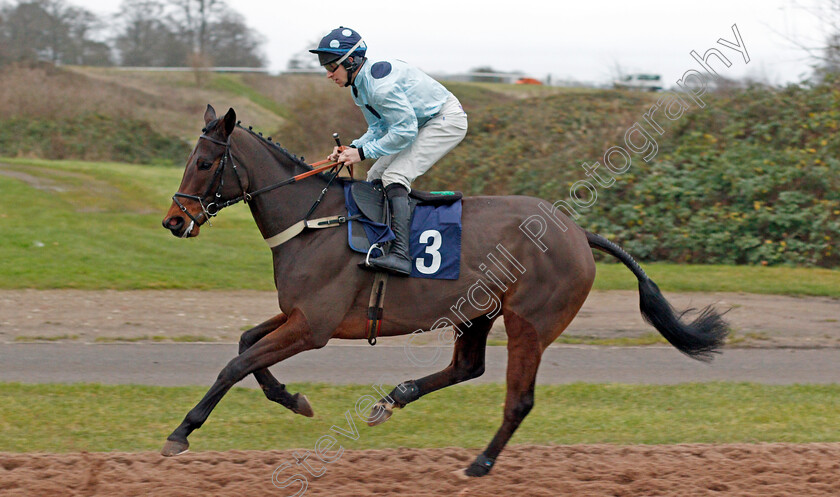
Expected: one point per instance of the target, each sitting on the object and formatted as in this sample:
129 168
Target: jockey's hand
335 153
349 156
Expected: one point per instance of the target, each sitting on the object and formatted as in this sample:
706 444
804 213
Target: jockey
413 121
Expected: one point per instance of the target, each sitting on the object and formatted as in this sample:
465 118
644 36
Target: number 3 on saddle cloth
435 235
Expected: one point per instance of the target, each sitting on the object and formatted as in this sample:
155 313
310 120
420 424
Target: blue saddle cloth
434 239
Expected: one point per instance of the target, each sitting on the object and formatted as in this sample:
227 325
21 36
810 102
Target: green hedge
755 179
91 137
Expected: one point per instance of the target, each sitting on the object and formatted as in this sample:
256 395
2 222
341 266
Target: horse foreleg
524 353
273 389
292 337
467 363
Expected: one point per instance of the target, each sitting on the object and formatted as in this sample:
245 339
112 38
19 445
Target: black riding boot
397 260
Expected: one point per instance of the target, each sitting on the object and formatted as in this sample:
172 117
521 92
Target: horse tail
699 339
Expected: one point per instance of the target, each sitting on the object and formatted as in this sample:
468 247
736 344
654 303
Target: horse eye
204 165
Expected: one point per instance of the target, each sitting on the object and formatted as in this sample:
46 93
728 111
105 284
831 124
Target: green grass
60 418
97 226
45 338
102 230
779 280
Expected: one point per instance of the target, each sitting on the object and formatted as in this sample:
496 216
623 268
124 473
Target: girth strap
297 228
375 305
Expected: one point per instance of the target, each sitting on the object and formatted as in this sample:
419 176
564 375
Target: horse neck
277 209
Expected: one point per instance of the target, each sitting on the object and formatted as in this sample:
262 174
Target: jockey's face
339 75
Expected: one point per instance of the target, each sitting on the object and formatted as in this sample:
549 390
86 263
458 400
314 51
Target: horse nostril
173 223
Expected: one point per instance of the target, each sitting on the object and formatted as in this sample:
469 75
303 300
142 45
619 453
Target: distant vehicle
528 81
645 82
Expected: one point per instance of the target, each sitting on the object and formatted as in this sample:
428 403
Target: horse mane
275 149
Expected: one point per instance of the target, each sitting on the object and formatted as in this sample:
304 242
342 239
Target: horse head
211 180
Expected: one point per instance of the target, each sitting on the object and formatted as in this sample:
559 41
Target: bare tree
195 17
24 27
146 38
81 44
230 42
197 33
822 47
194 33
304 59
51 30
831 55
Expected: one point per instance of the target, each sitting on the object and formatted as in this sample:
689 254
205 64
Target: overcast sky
575 40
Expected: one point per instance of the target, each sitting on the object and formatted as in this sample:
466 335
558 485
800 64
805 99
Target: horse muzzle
181 227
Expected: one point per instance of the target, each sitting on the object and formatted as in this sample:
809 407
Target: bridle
212 208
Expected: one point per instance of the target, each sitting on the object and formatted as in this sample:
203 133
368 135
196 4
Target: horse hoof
479 468
461 474
380 413
174 448
303 407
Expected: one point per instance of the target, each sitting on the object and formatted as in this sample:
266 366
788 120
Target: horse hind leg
273 389
524 354
467 363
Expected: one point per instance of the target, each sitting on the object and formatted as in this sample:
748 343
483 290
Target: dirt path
175 364
535 471
88 316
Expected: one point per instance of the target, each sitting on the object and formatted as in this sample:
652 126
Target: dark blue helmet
339 44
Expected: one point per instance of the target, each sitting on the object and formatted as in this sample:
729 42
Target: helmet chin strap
351 67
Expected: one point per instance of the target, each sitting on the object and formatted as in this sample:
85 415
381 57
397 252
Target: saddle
372 202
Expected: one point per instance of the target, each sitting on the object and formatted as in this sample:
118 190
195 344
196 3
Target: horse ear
209 114
230 121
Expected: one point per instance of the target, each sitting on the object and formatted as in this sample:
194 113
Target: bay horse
323 294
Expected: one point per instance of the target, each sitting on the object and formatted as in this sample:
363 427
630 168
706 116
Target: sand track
579 470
